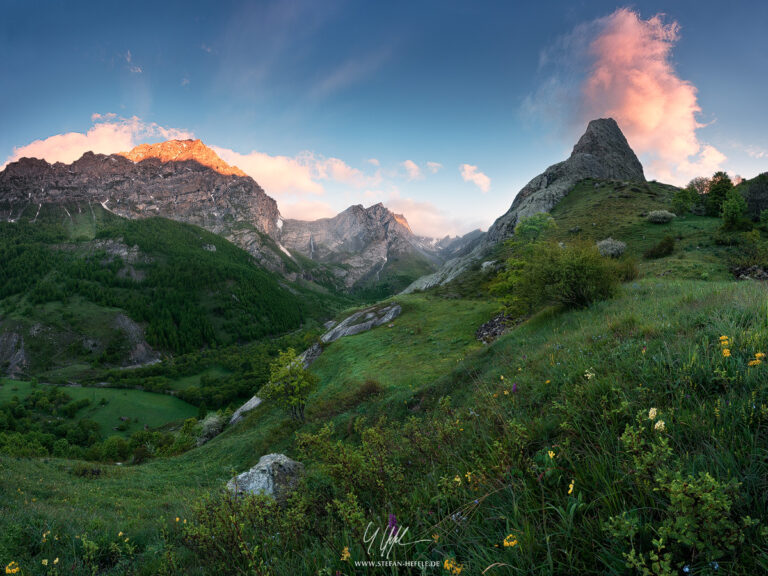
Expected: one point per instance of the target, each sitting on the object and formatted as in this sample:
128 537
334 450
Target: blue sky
441 110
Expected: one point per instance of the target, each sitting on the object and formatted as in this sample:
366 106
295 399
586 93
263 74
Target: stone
275 475
362 321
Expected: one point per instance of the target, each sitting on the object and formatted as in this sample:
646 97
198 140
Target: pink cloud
433 167
633 80
413 170
108 135
471 174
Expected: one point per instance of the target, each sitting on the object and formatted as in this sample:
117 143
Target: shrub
627 269
611 248
211 426
660 216
289 384
733 208
573 275
664 248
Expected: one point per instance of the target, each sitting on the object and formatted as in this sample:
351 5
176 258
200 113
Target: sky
441 110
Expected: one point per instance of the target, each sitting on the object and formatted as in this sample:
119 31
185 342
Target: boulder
275 475
362 321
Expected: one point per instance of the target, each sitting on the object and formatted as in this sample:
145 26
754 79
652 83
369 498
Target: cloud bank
109 134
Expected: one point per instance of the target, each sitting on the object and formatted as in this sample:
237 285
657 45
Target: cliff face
361 241
180 180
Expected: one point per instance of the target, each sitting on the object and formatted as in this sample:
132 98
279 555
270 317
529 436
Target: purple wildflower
392 524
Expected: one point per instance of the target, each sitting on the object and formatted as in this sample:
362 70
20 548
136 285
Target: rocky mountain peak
602 152
180 151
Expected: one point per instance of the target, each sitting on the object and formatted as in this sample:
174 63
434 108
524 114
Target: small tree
683 200
289 384
733 208
531 228
719 187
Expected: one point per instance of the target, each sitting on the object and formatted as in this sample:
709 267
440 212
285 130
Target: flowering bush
660 216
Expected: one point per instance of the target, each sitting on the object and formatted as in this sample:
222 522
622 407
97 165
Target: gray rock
12 354
244 409
275 475
310 355
362 321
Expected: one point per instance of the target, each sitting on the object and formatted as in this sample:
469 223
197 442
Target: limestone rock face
13 358
180 180
362 321
275 475
240 413
602 152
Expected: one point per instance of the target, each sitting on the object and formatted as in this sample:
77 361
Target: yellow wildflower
435 537
56 561
551 454
723 338
468 476
754 362
177 518
548 381
457 479
659 427
510 541
501 377
452 566
760 355
12 568
652 414
570 487
345 554
45 562
726 353
506 392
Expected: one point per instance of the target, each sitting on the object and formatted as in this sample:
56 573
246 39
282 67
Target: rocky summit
602 152
361 242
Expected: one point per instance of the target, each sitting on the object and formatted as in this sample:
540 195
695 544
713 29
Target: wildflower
457 479
468 476
501 377
120 534
510 541
551 454
12 568
177 518
548 381
452 566
184 521
570 487
345 554
435 537
506 392
754 363
652 414
726 353
45 562
659 427
126 540
760 355
392 523
56 561
589 374
514 387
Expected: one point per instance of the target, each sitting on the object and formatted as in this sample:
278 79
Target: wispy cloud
108 135
433 167
472 174
132 66
412 170
374 161
622 67
426 219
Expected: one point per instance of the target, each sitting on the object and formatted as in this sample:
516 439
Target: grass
143 408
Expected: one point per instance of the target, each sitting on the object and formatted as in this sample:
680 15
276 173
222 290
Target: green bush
660 216
573 275
734 208
664 248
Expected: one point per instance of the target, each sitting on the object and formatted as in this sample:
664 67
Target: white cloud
374 161
433 167
471 173
426 219
109 134
413 170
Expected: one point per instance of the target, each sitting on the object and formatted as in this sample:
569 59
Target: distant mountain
602 152
364 245
186 181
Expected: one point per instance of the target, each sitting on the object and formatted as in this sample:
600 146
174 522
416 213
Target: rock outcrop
601 153
13 358
275 475
240 413
362 321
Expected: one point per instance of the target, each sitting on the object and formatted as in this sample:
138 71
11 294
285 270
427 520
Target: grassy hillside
66 283
628 437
